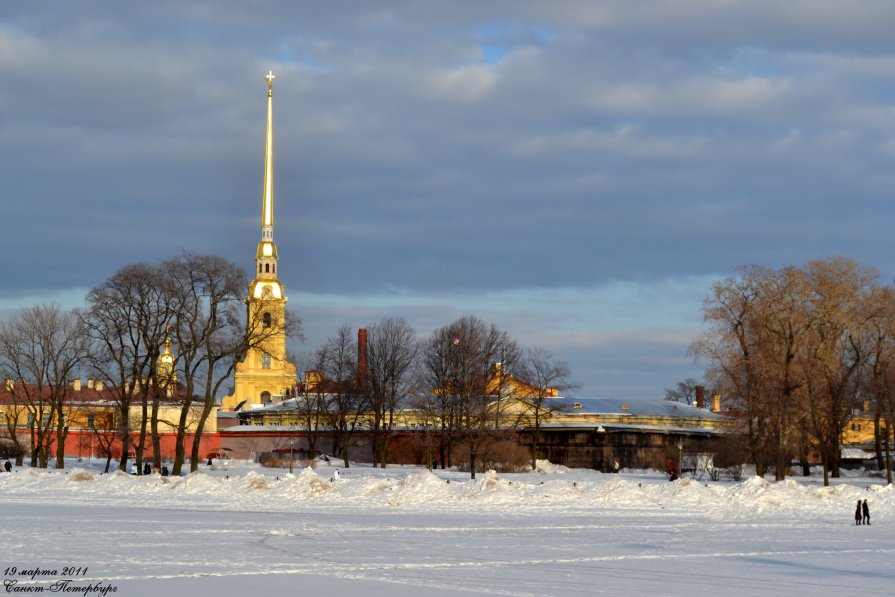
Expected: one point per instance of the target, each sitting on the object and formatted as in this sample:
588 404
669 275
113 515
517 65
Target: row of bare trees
797 352
195 300
460 382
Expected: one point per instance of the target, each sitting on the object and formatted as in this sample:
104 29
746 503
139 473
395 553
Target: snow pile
547 467
421 488
254 482
80 475
308 485
196 484
570 490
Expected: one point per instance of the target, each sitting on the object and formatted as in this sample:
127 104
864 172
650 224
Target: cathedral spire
267 200
266 257
265 374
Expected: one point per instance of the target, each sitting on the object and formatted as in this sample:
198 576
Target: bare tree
545 378
838 289
789 348
878 376
126 320
730 346
309 398
337 360
457 363
683 391
391 352
41 349
211 336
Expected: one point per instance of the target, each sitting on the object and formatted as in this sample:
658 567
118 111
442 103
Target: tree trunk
179 448
60 441
154 433
200 429
141 442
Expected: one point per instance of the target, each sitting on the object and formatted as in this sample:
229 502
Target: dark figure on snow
147 469
164 470
858 513
8 466
866 511
209 462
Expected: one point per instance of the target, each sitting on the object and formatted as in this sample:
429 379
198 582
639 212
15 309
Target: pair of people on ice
862 513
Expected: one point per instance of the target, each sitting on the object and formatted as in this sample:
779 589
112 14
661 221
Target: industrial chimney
700 396
362 360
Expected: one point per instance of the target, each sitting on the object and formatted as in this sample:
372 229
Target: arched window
266 320
265 397
265 361
274 268
259 268
266 268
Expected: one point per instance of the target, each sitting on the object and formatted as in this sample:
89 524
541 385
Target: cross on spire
270 77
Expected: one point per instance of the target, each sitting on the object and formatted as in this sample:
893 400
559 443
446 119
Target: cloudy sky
578 173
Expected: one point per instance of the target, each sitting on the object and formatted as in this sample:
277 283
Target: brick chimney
700 396
10 384
98 385
362 360
76 384
89 383
716 403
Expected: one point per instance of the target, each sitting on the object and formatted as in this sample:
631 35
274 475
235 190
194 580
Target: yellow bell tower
265 374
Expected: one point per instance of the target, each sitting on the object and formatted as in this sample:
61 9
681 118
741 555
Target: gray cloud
450 149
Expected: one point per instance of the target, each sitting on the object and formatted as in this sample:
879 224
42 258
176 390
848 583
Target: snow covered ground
244 530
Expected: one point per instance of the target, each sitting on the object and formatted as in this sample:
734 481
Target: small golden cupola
167 374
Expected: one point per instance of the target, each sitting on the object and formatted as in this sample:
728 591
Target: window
265 397
259 268
266 268
266 320
265 361
91 421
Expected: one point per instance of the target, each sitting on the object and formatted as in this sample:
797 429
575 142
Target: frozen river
407 532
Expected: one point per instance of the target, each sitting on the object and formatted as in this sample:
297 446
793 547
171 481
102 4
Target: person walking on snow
866 510
8 466
858 513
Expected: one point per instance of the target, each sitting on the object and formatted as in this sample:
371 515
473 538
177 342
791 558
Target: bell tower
265 374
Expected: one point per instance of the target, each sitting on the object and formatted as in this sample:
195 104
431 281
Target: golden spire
267 201
266 257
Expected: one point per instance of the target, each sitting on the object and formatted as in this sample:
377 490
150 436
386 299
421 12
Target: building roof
634 408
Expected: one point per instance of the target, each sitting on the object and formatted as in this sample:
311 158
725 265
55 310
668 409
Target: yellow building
265 373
